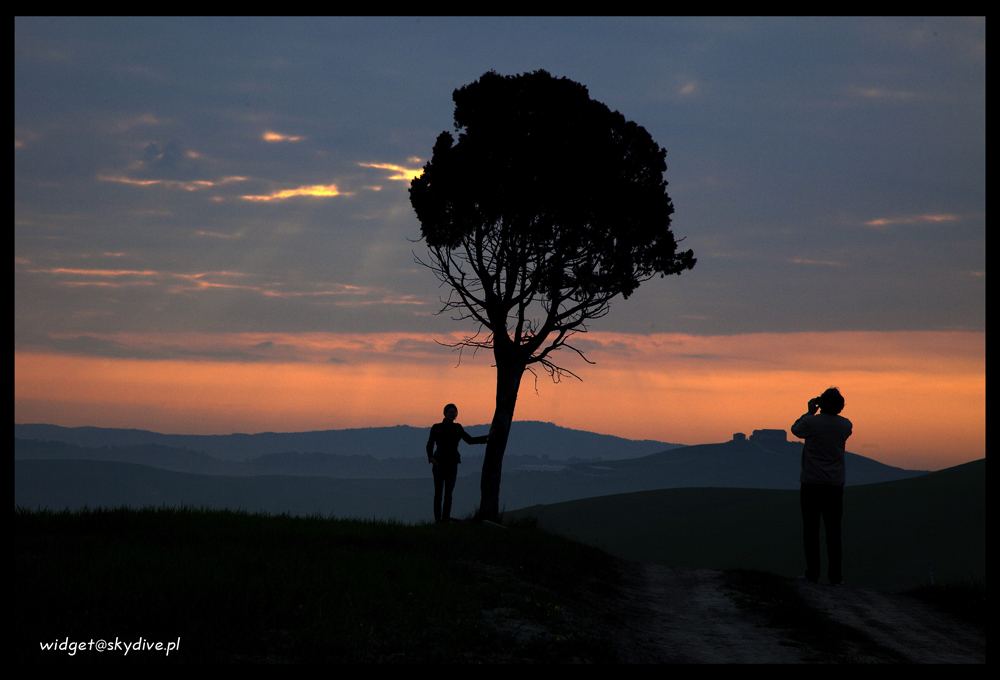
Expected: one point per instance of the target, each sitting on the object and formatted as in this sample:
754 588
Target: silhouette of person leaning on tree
445 460
822 480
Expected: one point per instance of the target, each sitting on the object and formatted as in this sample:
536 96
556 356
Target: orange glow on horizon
917 400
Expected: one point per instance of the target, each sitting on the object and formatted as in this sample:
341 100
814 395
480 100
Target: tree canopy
547 207
548 196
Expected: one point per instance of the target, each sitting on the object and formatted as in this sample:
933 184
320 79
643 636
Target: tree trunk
508 381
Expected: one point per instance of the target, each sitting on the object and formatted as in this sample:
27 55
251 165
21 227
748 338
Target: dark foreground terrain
234 587
896 535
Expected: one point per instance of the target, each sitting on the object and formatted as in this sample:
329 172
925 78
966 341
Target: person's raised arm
468 439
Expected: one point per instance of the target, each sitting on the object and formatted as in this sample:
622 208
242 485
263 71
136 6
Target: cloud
325 293
271 136
191 185
276 348
911 219
799 260
317 190
884 95
402 174
146 119
97 272
128 348
215 234
611 346
88 345
387 299
420 346
158 347
146 277
166 158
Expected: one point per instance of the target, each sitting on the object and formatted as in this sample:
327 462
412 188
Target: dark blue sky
829 174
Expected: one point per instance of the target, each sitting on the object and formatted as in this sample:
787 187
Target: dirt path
910 628
690 616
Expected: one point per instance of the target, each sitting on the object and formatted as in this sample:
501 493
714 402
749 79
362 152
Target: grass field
239 587
895 534
233 586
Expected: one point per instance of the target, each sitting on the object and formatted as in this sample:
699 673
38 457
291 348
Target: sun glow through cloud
401 174
318 190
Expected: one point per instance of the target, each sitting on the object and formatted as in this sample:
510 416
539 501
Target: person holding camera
822 480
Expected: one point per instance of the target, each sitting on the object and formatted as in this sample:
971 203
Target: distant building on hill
767 436
739 437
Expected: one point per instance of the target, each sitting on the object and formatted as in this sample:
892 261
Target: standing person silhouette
446 459
822 480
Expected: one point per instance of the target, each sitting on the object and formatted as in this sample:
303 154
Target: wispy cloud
145 119
687 86
131 277
216 234
318 190
97 272
799 260
271 136
401 173
882 94
317 348
325 293
912 219
192 185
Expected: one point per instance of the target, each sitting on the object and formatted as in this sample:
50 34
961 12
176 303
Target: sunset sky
212 231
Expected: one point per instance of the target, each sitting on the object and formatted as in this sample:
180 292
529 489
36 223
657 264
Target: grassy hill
262 588
233 586
894 533
75 484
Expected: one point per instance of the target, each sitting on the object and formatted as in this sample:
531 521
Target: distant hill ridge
768 465
60 474
527 438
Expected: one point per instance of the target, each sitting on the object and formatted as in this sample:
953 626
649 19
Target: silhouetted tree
547 207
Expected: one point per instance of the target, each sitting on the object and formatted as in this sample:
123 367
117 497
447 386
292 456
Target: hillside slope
894 533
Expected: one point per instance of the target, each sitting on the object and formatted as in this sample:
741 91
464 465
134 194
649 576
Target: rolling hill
527 438
895 534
